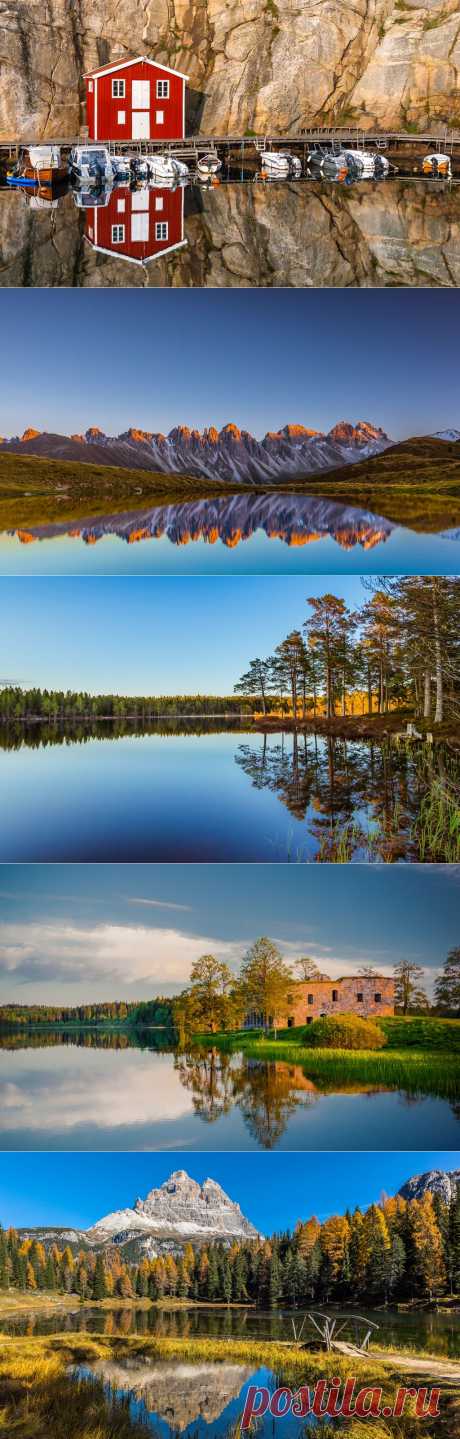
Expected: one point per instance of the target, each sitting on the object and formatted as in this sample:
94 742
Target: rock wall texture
275 235
253 64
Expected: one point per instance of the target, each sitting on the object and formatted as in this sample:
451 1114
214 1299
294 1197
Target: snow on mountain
447 435
438 1181
180 1209
229 455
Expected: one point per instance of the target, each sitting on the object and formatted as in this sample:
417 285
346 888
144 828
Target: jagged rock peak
438 1181
183 1208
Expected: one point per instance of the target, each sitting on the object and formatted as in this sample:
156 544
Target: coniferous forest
397 1250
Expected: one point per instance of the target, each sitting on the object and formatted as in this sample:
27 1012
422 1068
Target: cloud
107 956
157 903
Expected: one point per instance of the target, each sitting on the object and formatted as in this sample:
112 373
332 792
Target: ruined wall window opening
378 998
310 999
360 998
335 995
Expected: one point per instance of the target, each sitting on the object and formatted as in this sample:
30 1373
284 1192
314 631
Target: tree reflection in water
370 791
267 1092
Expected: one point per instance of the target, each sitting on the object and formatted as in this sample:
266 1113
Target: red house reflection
137 225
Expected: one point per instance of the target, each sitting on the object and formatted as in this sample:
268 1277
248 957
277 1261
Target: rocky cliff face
179 1210
270 64
229 455
439 1181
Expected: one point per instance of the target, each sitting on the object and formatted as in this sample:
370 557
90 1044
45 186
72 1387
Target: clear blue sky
274 1190
69 932
156 358
151 636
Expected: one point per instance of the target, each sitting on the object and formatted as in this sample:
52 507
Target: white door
140 98
141 125
140 226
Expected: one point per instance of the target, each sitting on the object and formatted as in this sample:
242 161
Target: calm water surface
193 795
189 1400
434 1333
264 534
59 1094
402 231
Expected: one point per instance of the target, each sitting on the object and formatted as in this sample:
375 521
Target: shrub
347 1031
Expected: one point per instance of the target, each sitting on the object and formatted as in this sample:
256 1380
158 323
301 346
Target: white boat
121 166
208 165
275 162
360 163
437 164
295 166
91 164
166 170
139 167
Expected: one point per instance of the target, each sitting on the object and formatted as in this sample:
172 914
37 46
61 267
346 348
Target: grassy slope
415 483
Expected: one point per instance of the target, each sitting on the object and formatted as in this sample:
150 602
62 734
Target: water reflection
265 532
177 1398
102 1091
436 1332
293 233
211 790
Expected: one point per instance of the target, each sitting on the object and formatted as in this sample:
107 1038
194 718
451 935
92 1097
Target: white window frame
121 117
90 87
162 89
159 202
159 117
121 206
118 89
118 234
161 230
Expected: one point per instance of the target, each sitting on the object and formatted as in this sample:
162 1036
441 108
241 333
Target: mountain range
229 455
182 1211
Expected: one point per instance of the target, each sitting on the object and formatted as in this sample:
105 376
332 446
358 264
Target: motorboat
91 165
438 165
166 169
121 166
92 198
38 165
208 165
360 163
275 162
332 164
139 168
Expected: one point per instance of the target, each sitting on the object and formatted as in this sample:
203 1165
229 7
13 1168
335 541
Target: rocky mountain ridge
438 1181
229 455
268 66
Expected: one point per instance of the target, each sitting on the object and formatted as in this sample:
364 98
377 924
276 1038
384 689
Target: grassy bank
413 1065
40 1400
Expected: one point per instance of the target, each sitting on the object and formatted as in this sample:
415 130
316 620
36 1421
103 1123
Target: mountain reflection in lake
296 233
269 533
180 1399
93 1091
207 791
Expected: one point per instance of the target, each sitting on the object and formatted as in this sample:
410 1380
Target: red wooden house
135 100
137 225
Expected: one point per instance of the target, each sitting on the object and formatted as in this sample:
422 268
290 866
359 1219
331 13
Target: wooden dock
248 146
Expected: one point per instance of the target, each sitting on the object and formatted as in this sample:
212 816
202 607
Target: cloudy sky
74 933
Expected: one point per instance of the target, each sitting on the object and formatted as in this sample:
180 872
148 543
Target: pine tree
447 985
